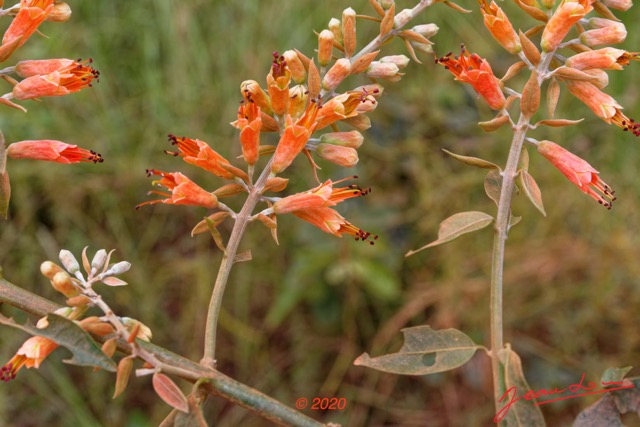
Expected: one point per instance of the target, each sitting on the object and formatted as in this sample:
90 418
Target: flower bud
69 261
342 156
49 269
61 12
99 259
403 17
335 26
325 47
400 60
338 72
62 283
298 72
118 268
386 4
604 32
349 31
426 30
144 333
622 5
388 71
79 301
351 139
606 58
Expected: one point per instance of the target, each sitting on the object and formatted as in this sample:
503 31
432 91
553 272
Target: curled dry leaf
556 123
472 161
494 124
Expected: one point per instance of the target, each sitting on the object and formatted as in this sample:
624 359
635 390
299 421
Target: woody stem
501 230
228 259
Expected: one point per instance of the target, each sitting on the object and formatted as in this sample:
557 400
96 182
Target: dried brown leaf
387 22
530 101
170 392
125 366
529 49
494 124
553 94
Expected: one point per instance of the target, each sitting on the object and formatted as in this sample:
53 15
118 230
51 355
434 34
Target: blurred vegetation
298 314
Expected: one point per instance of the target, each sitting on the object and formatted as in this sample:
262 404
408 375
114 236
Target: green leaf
457 225
607 410
425 351
473 161
5 194
522 412
531 190
615 374
493 185
68 334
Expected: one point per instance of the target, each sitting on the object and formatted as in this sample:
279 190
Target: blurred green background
297 316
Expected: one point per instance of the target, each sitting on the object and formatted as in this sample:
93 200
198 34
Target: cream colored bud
336 74
49 269
422 47
403 17
335 26
61 12
400 60
426 30
79 301
99 259
118 268
325 47
379 70
69 261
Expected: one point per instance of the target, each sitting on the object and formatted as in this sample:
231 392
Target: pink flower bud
622 5
338 72
605 32
342 156
351 139
325 47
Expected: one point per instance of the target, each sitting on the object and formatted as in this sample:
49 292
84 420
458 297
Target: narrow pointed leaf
523 163
553 94
243 256
532 191
494 124
493 185
387 22
3 154
114 281
68 334
5 194
425 351
523 412
457 225
473 161
514 220
170 392
556 123
125 366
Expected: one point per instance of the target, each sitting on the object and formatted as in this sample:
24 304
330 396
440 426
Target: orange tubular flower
347 105
69 78
278 81
294 138
578 171
559 25
183 191
198 153
249 122
32 353
603 105
472 69
607 58
52 151
313 206
500 27
32 13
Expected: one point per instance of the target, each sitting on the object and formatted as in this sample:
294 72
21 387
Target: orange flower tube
52 151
